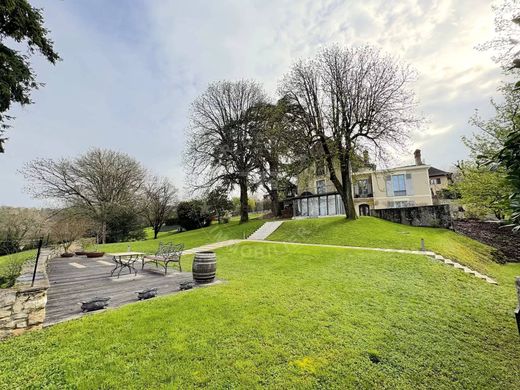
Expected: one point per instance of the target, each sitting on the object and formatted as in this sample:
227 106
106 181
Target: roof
437 172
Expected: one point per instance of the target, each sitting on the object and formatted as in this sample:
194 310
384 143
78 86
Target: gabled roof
432 171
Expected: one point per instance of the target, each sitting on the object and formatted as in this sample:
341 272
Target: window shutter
356 188
409 184
389 189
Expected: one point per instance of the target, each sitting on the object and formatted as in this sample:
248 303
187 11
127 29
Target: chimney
417 155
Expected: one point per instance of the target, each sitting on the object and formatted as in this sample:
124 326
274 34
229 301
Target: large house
404 186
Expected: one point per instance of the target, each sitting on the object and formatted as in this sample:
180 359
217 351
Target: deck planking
69 285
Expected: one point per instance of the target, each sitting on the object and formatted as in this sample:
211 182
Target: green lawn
18 258
374 232
190 239
289 317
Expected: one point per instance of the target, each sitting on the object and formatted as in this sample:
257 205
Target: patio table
125 260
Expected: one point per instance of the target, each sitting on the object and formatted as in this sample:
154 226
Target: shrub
124 225
9 272
192 215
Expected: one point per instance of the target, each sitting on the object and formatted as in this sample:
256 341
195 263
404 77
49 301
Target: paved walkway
265 230
210 247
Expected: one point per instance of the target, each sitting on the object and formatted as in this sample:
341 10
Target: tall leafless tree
347 100
158 202
222 138
96 183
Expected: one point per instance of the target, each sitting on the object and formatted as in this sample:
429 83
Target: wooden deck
76 279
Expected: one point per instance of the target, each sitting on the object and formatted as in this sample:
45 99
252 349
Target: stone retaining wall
435 216
22 307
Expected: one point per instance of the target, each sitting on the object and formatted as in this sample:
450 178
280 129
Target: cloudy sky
131 69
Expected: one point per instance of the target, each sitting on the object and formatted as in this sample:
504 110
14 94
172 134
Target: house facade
404 186
439 180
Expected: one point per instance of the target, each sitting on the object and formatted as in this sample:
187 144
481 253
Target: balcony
310 191
331 189
363 195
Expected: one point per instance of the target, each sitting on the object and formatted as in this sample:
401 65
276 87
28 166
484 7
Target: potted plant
91 251
66 229
94 254
66 246
85 245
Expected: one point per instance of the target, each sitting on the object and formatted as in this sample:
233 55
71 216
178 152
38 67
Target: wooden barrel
204 267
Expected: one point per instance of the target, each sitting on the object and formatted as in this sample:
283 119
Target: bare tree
347 100
20 227
222 138
66 227
96 183
159 197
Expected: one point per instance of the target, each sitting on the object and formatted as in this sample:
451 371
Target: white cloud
127 80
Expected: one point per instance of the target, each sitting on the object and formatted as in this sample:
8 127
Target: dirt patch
500 238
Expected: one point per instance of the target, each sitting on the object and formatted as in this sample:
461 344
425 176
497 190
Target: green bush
193 215
9 272
124 225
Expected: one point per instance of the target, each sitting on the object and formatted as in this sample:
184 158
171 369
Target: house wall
443 184
417 188
307 179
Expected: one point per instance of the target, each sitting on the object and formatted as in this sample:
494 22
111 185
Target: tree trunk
346 193
104 232
244 216
273 173
275 204
156 230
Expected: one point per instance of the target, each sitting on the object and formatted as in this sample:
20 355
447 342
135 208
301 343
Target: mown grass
190 239
374 232
289 317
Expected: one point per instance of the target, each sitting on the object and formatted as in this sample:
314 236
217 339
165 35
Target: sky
130 70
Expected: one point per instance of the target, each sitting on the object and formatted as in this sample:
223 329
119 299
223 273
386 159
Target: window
436 180
362 186
320 186
399 185
320 168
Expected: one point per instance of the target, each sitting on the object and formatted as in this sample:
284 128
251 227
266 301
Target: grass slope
374 232
289 317
190 239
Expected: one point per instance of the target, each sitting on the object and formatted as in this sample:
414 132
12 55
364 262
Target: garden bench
166 254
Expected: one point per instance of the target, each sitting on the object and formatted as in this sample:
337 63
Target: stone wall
22 307
435 216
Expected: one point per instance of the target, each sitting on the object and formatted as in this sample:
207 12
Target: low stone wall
435 216
22 307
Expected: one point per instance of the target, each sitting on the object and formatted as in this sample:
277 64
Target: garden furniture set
166 254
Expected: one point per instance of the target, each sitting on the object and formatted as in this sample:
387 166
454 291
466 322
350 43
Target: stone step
448 262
